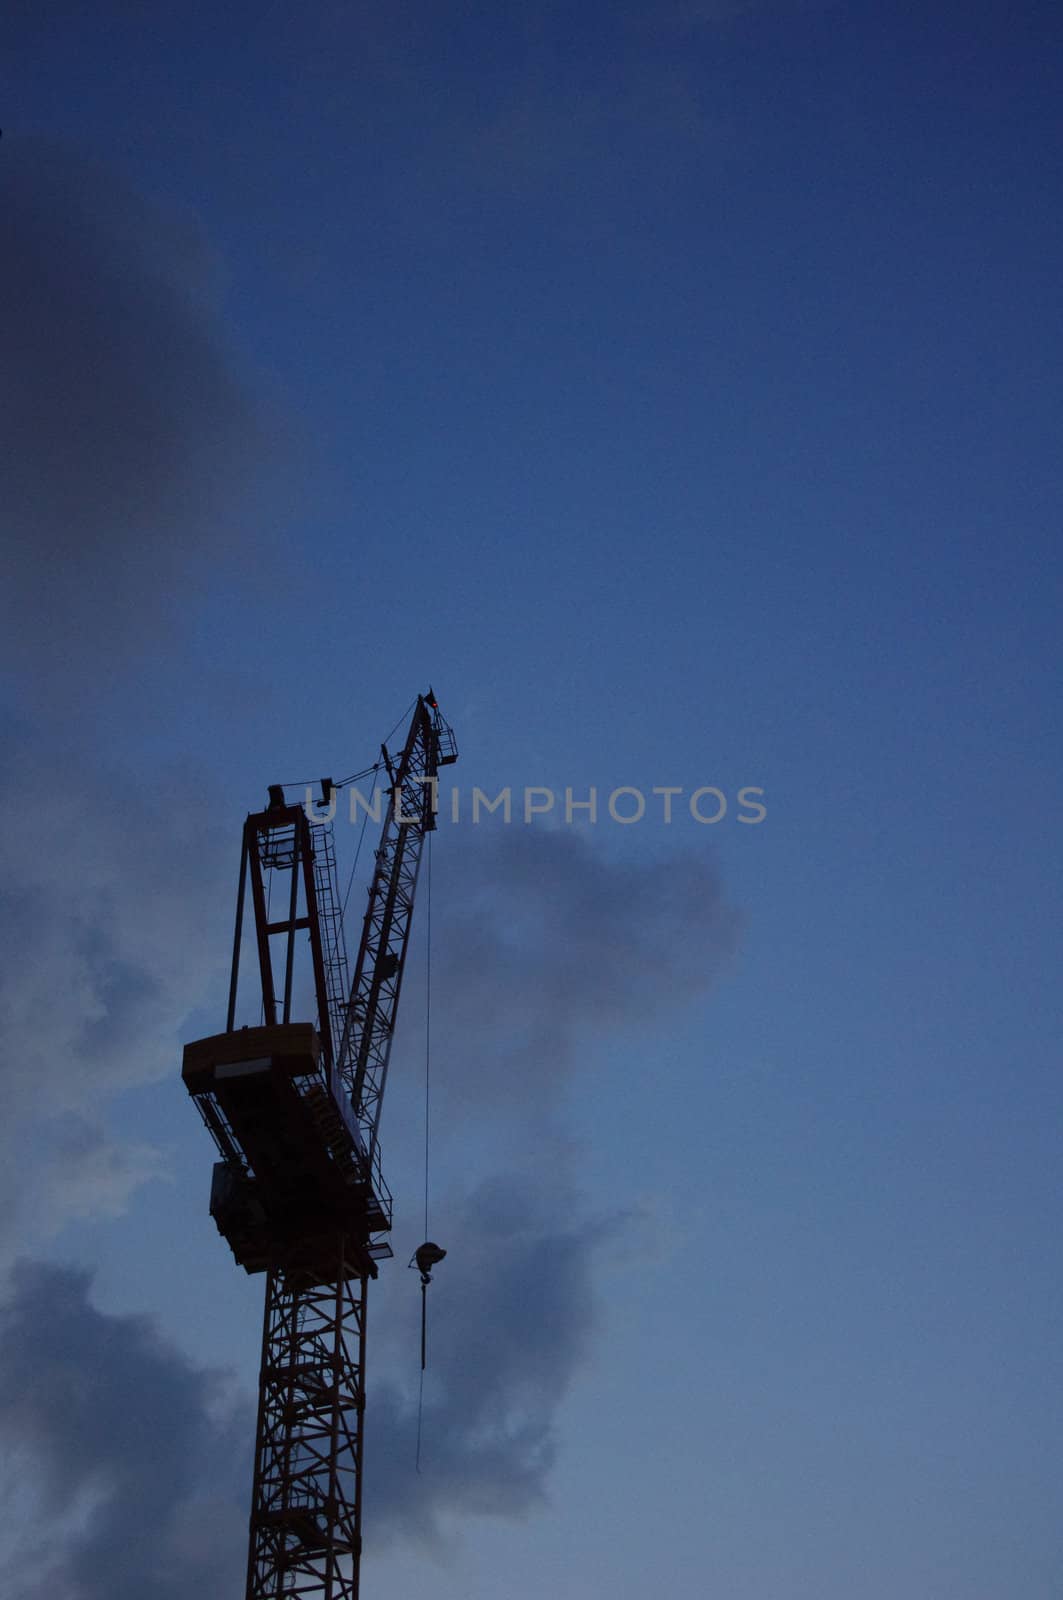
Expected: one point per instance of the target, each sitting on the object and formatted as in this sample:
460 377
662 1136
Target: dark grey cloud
143 1457
114 924
126 431
133 1464
550 948
546 946
544 949
127 437
510 1325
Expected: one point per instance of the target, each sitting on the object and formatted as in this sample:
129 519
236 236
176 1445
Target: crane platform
293 1174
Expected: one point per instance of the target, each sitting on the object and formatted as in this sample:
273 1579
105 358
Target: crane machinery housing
294 1110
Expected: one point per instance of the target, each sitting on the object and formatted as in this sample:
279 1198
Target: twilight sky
676 388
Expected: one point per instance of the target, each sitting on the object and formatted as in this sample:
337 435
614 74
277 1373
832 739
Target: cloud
509 1328
109 949
545 946
67 1168
133 1464
143 1458
127 433
116 924
130 432
129 438
546 928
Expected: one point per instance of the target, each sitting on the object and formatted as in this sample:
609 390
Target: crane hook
425 1257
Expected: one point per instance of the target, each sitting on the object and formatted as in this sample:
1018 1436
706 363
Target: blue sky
676 388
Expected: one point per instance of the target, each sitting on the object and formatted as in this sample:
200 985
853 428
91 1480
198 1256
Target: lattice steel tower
294 1109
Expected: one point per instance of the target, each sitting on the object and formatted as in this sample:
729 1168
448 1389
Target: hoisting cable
427 1020
305 783
404 718
376 764
358 846
356 776
427 1108
420 1395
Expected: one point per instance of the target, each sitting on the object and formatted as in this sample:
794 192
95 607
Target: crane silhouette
294 1109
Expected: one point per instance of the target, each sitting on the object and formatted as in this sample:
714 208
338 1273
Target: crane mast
294 1109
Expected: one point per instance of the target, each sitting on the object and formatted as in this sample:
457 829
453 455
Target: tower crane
294 1109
